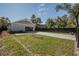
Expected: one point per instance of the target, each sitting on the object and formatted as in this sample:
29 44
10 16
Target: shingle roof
24 21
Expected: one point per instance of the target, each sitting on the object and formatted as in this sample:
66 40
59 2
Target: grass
37 44
11 47
44 45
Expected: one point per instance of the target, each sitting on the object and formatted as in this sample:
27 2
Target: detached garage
22 26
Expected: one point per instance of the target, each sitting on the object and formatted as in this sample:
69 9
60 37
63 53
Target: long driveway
57 35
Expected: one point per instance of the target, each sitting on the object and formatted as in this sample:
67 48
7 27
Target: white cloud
42 4
42 9
45 9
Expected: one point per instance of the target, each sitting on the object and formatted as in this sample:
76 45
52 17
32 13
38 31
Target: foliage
60 22
39 20
4 22
36 20
50 23
71 23
73 9
33 19
65 22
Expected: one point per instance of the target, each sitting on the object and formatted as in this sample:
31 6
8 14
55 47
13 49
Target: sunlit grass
37 44
11 47
43 45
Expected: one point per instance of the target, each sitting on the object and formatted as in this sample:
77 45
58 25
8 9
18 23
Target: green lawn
11 47
44 45
38 45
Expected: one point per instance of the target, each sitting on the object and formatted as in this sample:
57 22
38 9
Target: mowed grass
44 45
11 47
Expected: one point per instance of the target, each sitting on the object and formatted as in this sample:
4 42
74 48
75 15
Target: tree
49 23
68 21
60 23
33 16
71 23
73 10
33 19
36 20
65 20
4 23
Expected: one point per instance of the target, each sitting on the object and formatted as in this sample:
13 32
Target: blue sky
25 10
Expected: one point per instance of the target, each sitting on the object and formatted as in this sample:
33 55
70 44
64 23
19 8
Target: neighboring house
22 26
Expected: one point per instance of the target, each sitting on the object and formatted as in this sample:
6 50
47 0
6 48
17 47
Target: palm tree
73 10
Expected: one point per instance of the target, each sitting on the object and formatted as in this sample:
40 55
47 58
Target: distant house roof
25 21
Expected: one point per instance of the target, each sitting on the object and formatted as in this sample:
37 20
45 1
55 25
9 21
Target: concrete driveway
57 35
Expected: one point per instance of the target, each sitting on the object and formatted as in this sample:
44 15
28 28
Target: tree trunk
77 36
77 32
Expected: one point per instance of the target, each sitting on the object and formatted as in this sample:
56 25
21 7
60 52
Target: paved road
57 35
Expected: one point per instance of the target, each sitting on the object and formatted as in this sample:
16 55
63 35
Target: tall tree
33 19
73 9
49 23
71 23
65 20
36 20
61 22
4 23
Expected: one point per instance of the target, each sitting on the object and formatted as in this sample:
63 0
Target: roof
25 21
